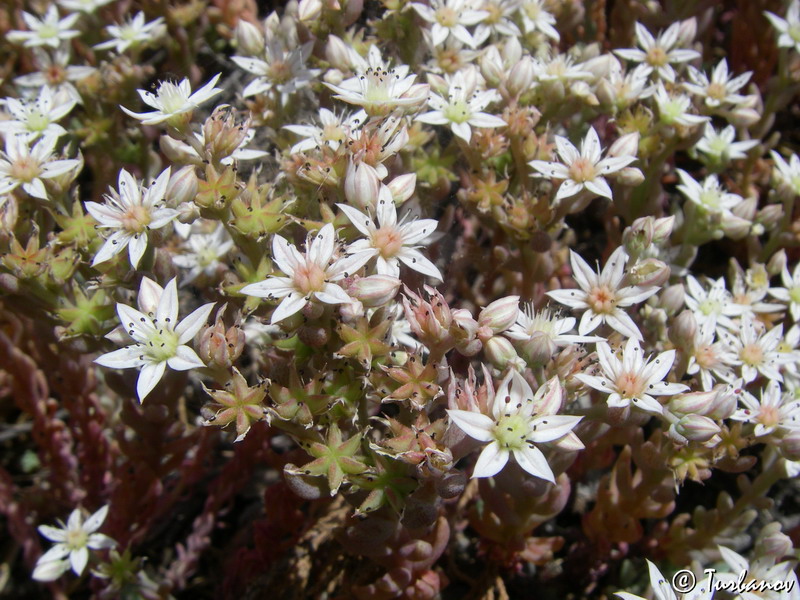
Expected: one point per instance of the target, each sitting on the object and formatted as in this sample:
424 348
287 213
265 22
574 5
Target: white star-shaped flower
21 165
776 412
633 380
662 590
37 117
450 18
283 70
714 305
134 211
601 296
790 293
720 88
519 422
174 103
311 276
720 145
160 338
788 173
756 350
788 28
584 169
55 72
536 18
675 109
133 33
73 542
462 108
710 196
658 54
205 251
47 31
391 242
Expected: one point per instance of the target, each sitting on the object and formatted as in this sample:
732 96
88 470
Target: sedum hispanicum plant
399 300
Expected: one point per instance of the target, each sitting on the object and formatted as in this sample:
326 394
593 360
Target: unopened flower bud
521 76
500 352
746 209
222 134
687 32
693 403
638 236
649 272
220 347
249 39
743 117
463 325
375 290
790 445
309 10
770 215
626 145
630 176
772 542
725 401
176 151
149 296
673 298
492 67
361 185
735 227
683 329
697 428
662 229
606 93
500 314
402 187
777 262
182 187
601 66
337 53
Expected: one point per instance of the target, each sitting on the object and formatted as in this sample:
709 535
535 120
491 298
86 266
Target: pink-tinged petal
566 150
137 245
167 309
78 560
475 425
185 358
491 460
124 358
415 260
553 427
320 250
359 220
274 287
54 534
115 244
599 186
567 189
621 321
648 404
589 322
94 522
573 298
553 170
533 461
149 377
598 383
193 323
590 148
333 294
291 304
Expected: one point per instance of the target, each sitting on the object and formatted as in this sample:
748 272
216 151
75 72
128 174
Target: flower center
710 307
76 539
794 294
629 385
602 300
511 431
309 278
388 241
136 219
25 168
752 355
47 31
280 71
447 17
457 111
794 32
710 199
656 56
716 91
582 170
769 416
171 99
37 121
162 345
706 357
55 74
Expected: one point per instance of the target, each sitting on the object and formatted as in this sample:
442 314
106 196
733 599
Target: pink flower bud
177 152
726 400
149 296
699 403
777 262
770 215
182 187
402 187
662 229
464 326
375 290
746 209
249 39
687 32
697 428
648 272
672 298
744 117
500 352
220 346
492 67
626 145
630 176
683 330
790 445
772 542
500 314
361 185
735 227
338 54
309 10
